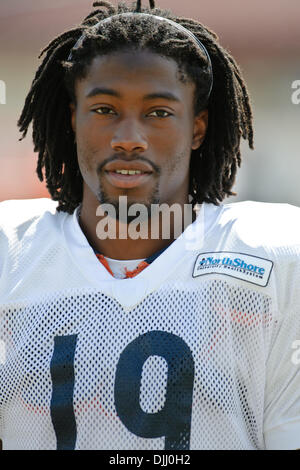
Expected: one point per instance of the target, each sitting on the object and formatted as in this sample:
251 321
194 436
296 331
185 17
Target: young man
177 339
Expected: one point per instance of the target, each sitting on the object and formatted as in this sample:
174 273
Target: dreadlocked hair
213 166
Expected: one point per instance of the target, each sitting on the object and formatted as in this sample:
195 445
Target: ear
200 127
73 117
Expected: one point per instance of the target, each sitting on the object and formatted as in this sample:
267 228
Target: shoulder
16 216
266 235
17 212
21 219
27 228
261 224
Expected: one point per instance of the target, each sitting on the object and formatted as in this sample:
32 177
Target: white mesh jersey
198 351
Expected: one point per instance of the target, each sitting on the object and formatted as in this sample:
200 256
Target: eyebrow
166 95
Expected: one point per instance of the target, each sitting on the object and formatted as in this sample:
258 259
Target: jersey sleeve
282 391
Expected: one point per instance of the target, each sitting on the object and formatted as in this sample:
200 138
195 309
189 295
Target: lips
132 165
127 181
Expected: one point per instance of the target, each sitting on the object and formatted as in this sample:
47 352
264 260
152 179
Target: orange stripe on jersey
137 270
104 262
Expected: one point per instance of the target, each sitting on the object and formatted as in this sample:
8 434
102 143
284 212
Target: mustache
128 158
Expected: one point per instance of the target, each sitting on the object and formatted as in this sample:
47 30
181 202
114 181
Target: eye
160 112
103 110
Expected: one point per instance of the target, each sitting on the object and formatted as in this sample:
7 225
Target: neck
136 239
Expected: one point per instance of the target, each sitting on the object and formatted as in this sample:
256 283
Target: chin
126 209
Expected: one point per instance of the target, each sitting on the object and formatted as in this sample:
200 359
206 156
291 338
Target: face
135 128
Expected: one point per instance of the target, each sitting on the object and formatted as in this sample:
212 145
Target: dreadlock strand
138 5
31 101
53 57
101 13
73 33
247 106
234 102
109 6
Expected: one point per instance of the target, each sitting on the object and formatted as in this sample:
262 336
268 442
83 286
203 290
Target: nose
128 137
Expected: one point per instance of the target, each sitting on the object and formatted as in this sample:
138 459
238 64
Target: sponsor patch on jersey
239 265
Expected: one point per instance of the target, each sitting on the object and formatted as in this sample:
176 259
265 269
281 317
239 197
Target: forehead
136 70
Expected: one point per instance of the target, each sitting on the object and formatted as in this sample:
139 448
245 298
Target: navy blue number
174 420
62 375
